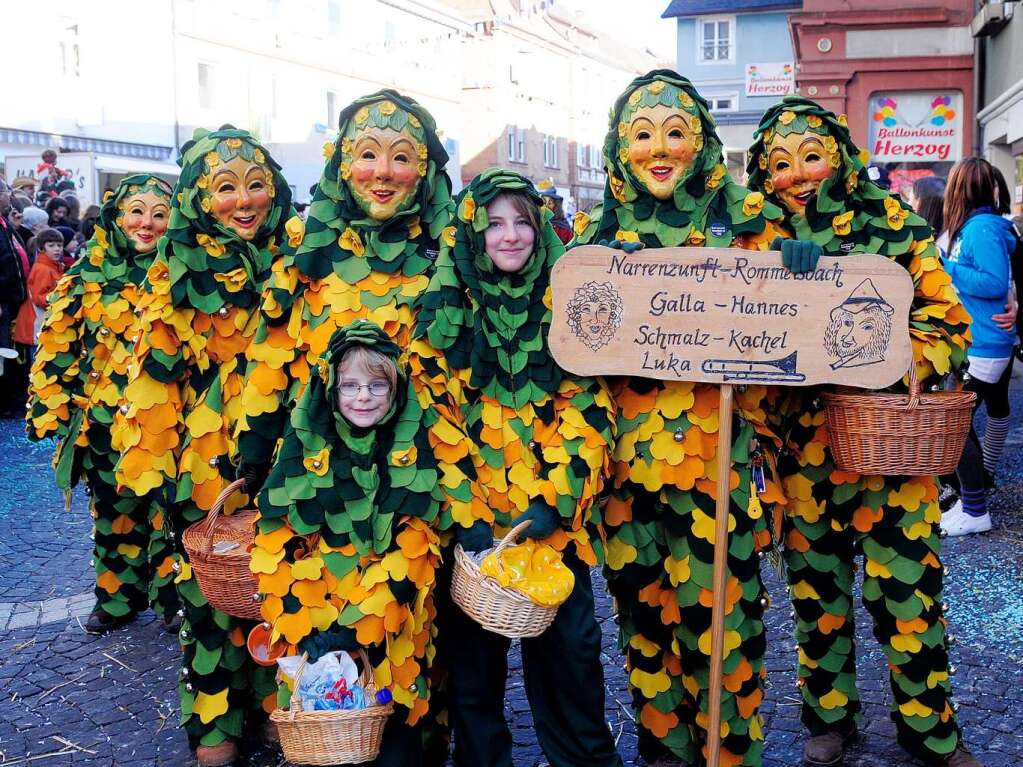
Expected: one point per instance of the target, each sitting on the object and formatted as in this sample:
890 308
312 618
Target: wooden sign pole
720 575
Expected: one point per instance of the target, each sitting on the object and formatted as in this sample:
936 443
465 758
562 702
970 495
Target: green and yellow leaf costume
81 368
480 357
660 517
347 266
832 515
183 401
346 551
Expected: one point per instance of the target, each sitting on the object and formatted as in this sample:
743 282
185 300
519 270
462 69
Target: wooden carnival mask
383 159
238 192
797 162
144 215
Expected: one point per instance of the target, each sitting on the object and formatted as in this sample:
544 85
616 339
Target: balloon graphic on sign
886 111
941 110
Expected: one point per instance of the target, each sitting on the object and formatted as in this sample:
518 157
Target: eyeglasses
350 389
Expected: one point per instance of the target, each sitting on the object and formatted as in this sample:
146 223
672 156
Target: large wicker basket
914 434
496 608
225 578
332 737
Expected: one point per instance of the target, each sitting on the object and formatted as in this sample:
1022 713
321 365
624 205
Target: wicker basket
496 608
910 434
331 737
224 578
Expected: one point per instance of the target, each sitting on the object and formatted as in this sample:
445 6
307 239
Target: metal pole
717 624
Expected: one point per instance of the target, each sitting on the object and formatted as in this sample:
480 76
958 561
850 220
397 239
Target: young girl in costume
198 316
78 379
805 160
347 549
668 186
370 238
540 440
981 244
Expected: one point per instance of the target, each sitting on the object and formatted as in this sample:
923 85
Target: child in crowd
347 548
46 271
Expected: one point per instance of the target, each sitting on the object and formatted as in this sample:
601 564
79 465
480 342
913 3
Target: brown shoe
962 757
221 755
827 749
100 621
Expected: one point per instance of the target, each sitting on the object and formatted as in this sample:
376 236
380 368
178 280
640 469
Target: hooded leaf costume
78 378
537 440
347 266
183 401
660 518
832 514
346 551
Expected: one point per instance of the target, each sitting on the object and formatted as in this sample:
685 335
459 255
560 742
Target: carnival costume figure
370 238
540 440
804 159
347 547
198 316
668 186
81 368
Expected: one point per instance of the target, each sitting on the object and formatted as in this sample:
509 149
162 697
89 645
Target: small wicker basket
332 737
496 608
910 434
225 578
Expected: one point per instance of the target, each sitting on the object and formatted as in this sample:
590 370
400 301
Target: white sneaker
956 522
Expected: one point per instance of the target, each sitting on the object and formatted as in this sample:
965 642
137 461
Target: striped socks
974 502
994 442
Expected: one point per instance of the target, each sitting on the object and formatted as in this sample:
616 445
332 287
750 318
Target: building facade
537 86
739 56
122 85
999 28
902 74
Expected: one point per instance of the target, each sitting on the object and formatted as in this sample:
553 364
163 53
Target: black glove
255 475
479 537
626 247
543 520
799 256
323 642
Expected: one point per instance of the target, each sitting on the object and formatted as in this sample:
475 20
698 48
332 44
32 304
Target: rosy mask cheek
819 172
782 180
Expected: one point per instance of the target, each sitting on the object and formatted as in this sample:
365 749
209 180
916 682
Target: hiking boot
962 757
827 749
220 755
100 621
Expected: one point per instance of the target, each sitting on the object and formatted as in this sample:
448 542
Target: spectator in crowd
74 210
57 209
981 243
25 185
71 244
89 222
552 201
46 271
13 291
33 221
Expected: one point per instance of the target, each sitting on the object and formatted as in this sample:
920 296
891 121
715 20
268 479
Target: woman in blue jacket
980 245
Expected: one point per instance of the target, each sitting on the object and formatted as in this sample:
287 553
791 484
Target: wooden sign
724 315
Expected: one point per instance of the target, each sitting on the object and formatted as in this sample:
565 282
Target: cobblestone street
70 698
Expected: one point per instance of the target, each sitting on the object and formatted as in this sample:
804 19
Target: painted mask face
384 171
240 196
144 219
796 166
509 237
662 145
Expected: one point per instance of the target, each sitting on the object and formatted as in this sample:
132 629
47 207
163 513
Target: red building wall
845 84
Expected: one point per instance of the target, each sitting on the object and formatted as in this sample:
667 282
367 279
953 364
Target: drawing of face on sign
860 328
595 313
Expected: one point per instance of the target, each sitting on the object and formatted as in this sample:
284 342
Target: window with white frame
206 85
723 102
550 151
596 161
331 109
716 40
582 155
517 144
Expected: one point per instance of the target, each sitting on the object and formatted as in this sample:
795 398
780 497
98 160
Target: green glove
627 247
798 256
479 537
543 520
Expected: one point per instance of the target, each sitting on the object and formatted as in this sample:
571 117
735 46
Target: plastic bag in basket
329 684
533 569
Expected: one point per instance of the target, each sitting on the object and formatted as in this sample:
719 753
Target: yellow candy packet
533 569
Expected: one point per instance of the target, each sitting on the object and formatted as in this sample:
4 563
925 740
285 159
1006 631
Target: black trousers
564 681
